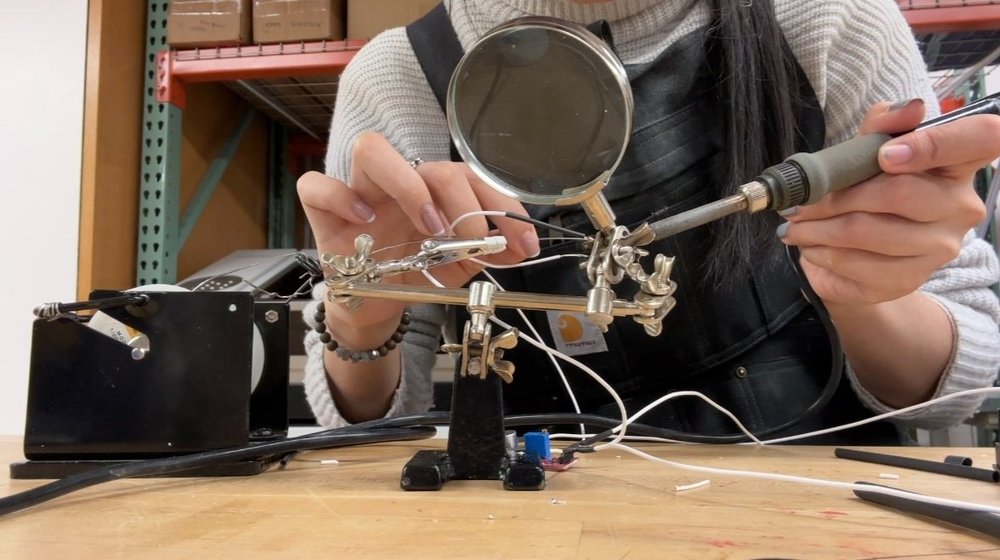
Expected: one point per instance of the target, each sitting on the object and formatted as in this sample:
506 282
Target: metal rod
460 296
264 98
699 216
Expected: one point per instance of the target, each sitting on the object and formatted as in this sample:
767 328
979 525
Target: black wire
832 382
170 465
311 264
54 310
541 419
545 225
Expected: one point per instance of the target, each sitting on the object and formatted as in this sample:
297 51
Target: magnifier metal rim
573 31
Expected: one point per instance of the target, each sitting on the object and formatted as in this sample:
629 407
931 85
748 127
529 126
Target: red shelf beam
175 68
943 16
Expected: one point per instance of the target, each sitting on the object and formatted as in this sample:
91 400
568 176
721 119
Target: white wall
42 54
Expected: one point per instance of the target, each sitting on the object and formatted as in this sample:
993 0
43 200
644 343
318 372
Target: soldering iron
806 178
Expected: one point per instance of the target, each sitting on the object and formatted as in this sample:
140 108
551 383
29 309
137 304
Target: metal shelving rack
958 38
295 84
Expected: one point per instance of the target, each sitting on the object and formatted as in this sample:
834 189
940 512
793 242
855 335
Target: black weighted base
430 469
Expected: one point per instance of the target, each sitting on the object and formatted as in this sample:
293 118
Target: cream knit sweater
854 52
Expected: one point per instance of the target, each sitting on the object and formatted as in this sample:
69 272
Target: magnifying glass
541 110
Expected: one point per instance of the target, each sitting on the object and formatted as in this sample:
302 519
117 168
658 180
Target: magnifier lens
541 111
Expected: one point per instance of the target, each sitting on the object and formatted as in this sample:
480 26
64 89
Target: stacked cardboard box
368 18
208 23
214 23
290 21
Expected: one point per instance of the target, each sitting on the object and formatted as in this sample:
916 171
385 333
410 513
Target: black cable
541 419
169 465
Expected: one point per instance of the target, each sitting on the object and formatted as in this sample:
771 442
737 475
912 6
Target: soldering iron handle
806 178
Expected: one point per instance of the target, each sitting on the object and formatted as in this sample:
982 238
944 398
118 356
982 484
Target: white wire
538 337
468 215
593 374
430 277
549 351
650 439
531 327
967 392
810 481
528 263
674 395
621 429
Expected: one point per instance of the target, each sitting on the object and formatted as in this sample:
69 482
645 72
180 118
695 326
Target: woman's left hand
882 239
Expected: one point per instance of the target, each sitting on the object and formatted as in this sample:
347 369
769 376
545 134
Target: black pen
988 475
980 521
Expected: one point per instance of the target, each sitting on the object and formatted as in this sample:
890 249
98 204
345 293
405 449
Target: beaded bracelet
347 354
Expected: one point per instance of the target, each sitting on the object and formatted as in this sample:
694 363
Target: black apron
755 346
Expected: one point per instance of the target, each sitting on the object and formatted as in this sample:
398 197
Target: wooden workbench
611 505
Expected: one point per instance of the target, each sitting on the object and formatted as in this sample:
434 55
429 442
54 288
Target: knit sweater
855 53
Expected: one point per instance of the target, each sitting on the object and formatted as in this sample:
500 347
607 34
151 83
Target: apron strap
438 51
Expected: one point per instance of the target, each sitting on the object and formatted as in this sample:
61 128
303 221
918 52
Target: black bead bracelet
350 355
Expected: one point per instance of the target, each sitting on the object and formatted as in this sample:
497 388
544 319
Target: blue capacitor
538 443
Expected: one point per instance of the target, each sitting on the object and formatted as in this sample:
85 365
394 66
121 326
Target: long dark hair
758 89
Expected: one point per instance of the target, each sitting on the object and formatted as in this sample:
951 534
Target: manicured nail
529 244
782 230
788 212
432 220
362 211
906 103
896 154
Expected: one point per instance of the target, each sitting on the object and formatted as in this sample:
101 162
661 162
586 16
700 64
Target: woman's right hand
400 205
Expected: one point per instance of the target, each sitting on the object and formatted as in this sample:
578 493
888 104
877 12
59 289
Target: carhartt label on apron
575 335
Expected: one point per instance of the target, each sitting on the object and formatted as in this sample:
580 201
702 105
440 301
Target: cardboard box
368 18
208 23
291 21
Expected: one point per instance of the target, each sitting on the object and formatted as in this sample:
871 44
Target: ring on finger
415 162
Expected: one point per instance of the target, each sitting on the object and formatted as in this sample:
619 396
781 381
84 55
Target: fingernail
906 103
782 230
788 212
529 244
363 211
896 153
432 220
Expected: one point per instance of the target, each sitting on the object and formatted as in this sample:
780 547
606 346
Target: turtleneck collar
584 13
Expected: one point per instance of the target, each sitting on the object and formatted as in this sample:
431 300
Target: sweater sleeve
414 395
962 288
383 90
857 53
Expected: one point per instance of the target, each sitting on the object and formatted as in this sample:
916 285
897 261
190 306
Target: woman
723 88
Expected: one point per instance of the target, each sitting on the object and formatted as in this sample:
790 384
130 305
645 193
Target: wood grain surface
611 505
